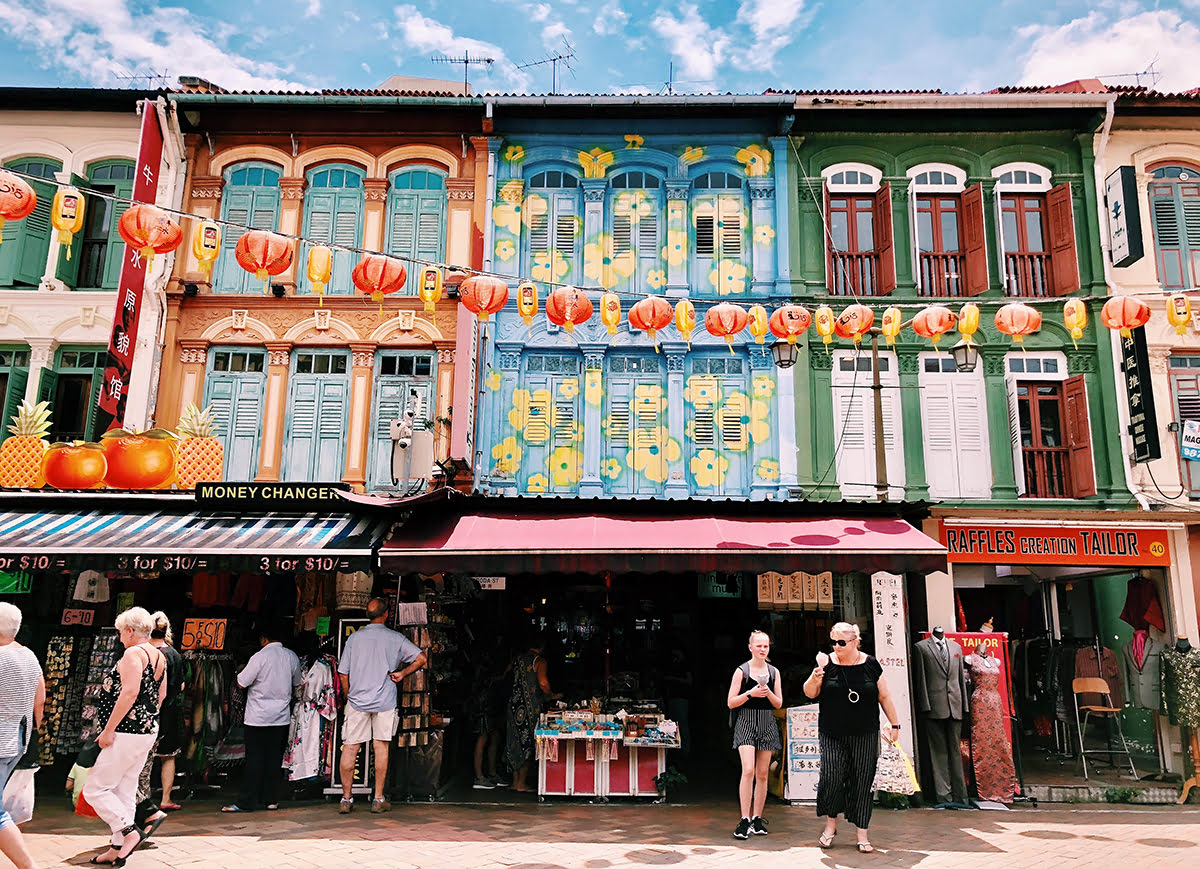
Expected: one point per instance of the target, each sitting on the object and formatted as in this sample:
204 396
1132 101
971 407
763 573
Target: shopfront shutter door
1185 390
974 241
885 246
1079 436
331 429
941 454
1060 230
1014 434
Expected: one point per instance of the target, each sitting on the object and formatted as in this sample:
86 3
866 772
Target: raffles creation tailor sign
122 343
1053 544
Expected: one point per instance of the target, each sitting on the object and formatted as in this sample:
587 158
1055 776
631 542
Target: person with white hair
22 700
131 696
851 689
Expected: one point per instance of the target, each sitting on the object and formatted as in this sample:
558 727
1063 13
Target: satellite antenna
467 60
564 56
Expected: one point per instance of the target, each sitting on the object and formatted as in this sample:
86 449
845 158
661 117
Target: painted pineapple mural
199 456
21 454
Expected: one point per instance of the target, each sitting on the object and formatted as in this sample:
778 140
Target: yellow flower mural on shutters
728 278
602 264
708 468
593 387
566 467
652 451
532 415
549 267
756 159
508 455
537 484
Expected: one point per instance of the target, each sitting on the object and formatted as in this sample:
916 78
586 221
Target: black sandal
141 837
152 829
96 861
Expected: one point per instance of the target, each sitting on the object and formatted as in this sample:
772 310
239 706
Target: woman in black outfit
755 691
851 690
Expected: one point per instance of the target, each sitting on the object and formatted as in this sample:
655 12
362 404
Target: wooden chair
1096 685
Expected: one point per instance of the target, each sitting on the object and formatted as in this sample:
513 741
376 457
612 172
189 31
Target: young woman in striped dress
754 692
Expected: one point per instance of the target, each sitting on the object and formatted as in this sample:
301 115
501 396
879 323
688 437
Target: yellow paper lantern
823 321
320 269
1179 312
66 215
893 317
429 288
610 312
206 244
1075 318
758 323
527 302
685 320
968 321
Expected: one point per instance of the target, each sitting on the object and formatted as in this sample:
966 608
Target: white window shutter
852 433
1014 433
974 459
941 460
893 439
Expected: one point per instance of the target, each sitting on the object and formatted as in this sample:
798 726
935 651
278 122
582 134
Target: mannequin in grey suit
1143 681
940 695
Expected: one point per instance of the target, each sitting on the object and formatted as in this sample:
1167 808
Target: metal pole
881 483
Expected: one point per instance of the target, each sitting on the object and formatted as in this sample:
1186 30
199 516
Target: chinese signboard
123 342
891 647
803 753
795 591
1053 544
1124 217
1143 423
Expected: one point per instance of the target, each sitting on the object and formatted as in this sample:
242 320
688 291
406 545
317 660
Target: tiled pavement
557 835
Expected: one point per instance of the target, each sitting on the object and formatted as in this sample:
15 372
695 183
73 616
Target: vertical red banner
118 367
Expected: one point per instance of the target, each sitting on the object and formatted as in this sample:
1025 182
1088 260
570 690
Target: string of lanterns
151 230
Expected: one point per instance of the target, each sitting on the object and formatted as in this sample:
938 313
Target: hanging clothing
1181 686
1142 608
991 751
1107 668
1143 671
314 714
92 587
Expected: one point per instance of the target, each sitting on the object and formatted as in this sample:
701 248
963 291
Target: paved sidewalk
571 836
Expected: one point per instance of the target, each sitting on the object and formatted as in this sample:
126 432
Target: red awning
589 543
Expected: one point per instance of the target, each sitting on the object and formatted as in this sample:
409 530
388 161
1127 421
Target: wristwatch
893 726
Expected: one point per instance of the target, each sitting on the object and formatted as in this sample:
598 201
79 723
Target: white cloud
554 33
774 24
96 40
698 47
313 10
427 35
1099 46
539 11
366 67
611 21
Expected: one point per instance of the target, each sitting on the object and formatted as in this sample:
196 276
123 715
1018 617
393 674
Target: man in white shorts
374 660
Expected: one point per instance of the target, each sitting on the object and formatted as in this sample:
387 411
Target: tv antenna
563 56
152 79
668 87
467 60
1149 72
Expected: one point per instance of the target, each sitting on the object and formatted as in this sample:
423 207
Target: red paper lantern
1125 313
378 276
789 322
726 320
933 322
17 199
483 295
265 254
650 315
568 307
1018 320
854 322
149 230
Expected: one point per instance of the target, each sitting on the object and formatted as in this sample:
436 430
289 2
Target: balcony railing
1047 472
853 274
942 274
1027 274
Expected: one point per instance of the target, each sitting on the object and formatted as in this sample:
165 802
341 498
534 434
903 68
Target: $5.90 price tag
204 634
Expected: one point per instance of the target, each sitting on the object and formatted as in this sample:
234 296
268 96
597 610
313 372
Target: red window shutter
828 241
1079 436
884 244
1060 229
974 240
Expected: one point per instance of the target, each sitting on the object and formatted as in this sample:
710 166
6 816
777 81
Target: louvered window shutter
117 253
390 395
237 203
619 440
431 222
732 229
331 430
706 226
347 232
318 228
1060 230
566 226
885 247
973 456
539 228
1191 222
302 429
93 430
941 460
27 242
247 425
535 437
1079 436
1185 389
974 241
1014 435
14 394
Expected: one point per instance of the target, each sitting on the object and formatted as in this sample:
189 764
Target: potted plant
668 780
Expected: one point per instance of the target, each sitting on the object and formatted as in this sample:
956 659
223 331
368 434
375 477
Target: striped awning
162 540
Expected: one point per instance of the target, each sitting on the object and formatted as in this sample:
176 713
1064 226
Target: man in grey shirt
374 661
270 679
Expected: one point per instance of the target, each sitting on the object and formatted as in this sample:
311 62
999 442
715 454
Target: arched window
553 215
98 255
250 199
1037 232
943 218
417 218
719 214
860 257
26 242
333 213
1175 214
635 209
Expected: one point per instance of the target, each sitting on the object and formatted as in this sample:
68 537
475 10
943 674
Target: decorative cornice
292 189
193 352
461 189
207 187
364 359
594 361
820 361
279 353
593 194
376 189
909 363
510 361
678 192
675 362
993 364
761 358
445 357
1081 363
512 191
761 193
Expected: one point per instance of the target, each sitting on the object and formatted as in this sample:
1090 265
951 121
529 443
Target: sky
618 46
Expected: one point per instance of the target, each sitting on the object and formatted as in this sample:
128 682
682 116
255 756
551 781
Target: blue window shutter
236 204
389 399
301 436
403 219
331 429
347 232
536 438
318 230
618 394
566 229
14 394
27 241
430 235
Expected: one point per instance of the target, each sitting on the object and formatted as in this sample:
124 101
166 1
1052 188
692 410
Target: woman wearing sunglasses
851 690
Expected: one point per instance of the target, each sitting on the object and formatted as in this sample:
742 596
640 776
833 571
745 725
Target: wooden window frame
1075 463
856 272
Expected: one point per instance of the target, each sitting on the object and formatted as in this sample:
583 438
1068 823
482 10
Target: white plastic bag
18 795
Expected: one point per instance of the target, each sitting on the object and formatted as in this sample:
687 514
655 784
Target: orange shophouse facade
304 387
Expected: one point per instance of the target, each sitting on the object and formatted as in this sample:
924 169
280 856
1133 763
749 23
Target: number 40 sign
204 634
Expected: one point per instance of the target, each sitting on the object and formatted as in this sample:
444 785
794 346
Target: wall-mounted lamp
278 290
191 290
785 354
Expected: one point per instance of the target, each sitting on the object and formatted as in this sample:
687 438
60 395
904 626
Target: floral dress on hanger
991 751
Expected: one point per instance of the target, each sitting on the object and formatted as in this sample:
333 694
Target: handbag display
894 772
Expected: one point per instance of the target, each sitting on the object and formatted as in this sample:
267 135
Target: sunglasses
842 642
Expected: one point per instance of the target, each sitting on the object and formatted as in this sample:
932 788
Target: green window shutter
331 430
14 394
115 258
27 241
47 387
94 430
67 270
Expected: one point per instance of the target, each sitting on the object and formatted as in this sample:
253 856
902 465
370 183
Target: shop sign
270 496
19 582
1143 421
782 592
1035 544
491 583
803 753
997 647
891 647
718 585
261 563
1189 441
207 634
1124 216
82 617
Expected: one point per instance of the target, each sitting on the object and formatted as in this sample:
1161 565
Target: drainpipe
1106 257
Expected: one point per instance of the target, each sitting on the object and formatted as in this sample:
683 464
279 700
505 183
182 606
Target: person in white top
270 678
22 700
